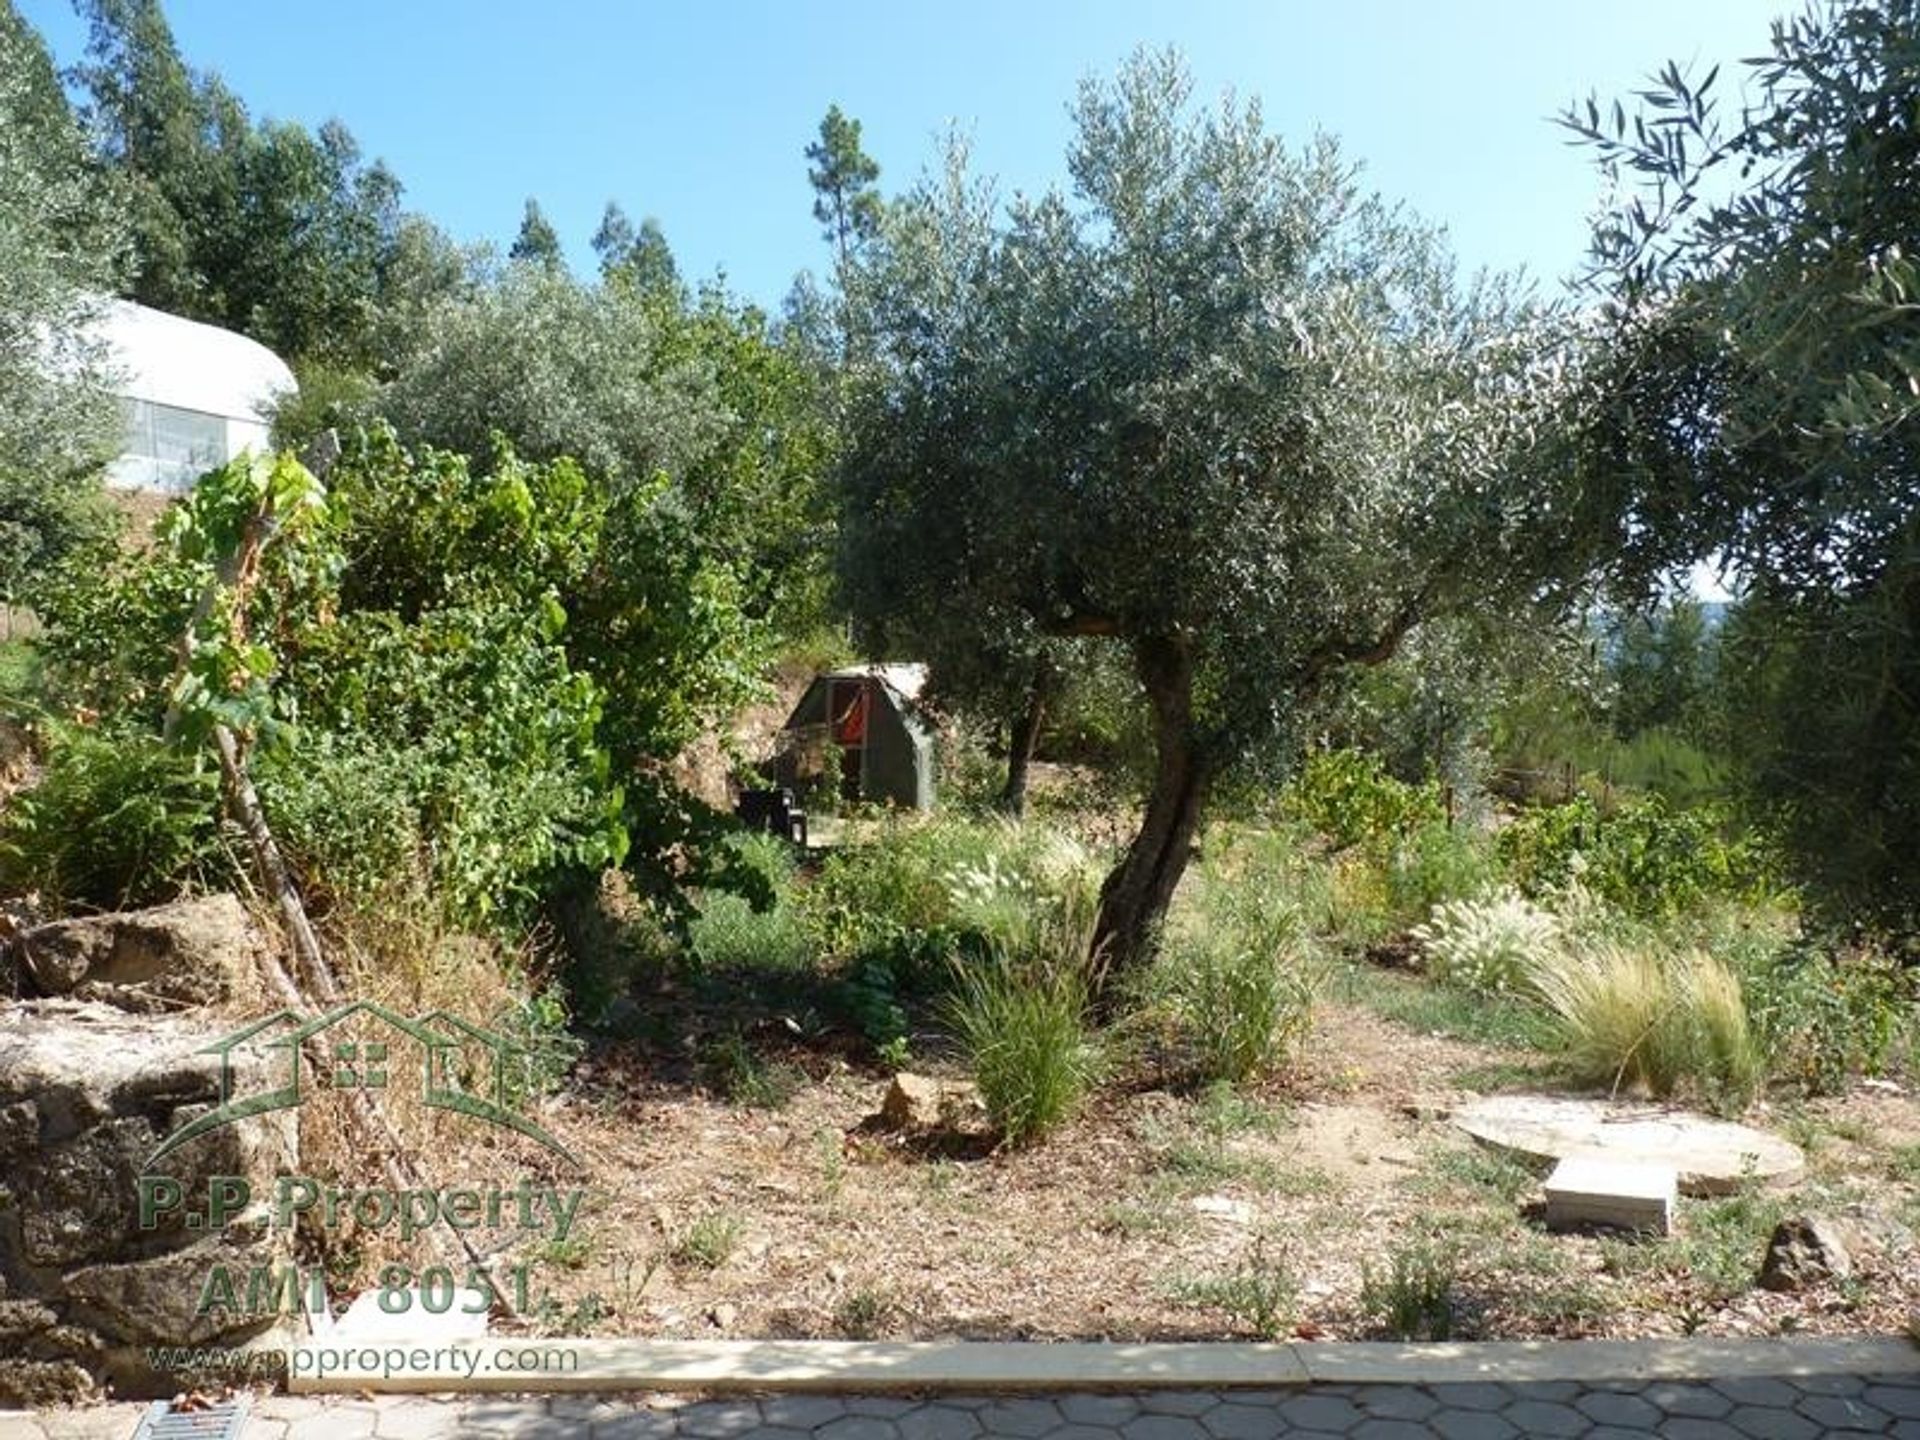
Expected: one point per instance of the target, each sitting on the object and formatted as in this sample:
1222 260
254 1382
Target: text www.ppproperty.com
387 1361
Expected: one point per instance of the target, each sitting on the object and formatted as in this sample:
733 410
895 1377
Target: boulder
192 952
87 1092
921 1102
1807 1250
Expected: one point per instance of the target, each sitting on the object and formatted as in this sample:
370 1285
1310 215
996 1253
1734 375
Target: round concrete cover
1710 1156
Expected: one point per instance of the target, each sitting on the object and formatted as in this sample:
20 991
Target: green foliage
117 821
1823 1017
709 1242
729 1066
1759 400
1412 1298
1644 858
1021 1017
537 242
1348 797
59 244
1234 980
1261 1292
538 1021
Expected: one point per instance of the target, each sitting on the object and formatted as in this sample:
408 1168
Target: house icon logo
458 1065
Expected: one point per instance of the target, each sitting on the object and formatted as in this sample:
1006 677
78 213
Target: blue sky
698 115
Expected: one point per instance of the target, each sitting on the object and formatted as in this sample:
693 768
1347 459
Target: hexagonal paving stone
1164 1427
1612 1407
1098 1409
1757 1390
1545 1417
1899 1400
1236 1420
1084 1432
1321 1412
1179 1402
720 1419
1695 1427
1842 1412
1023 1418
1378 1429
1765 1422
639 1422
858 1427
935 1421
1829 1384
1470 1425
1678 1397
887 1407
1395 1402
1472 1395
802 1412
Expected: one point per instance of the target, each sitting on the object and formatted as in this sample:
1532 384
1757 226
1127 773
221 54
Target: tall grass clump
1235 977
1492 945
1639 1016
760 927
1021 1016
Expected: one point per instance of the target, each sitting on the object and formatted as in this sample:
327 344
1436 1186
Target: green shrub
1645 858
115 821
1491 945
1236 973
1348 797
1260 1293
1021 1017
1433 863
729 934
1412 1298
1823 1017
539 1022
1641 1015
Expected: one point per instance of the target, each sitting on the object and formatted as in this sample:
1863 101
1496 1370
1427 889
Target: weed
709 1242
863 1313
1443 1010
736 1073
1904 1164
568 1254
1260 1293
1413 1297
1478 1171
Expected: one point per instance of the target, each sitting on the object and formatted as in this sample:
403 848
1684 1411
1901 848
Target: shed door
847 706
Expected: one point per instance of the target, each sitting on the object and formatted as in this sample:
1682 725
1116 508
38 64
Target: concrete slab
1624 1194
364 1321
1711 1157
527 1365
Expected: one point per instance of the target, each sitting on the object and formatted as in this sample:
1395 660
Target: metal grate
221 1421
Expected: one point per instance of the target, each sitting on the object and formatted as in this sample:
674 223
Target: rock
192 952
87 1091
920 1102
1806 1250
43 1384
1222 1207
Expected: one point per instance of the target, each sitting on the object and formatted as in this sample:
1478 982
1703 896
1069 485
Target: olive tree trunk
1022 737
1134 899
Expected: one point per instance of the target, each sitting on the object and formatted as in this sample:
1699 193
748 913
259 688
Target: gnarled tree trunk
1135 896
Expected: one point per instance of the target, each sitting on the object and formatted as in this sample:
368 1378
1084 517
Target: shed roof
165 360
906 678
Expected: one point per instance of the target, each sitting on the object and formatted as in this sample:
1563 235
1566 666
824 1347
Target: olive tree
1214 404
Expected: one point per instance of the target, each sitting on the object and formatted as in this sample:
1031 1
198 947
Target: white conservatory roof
166 360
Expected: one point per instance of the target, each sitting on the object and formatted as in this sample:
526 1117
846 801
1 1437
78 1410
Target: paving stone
1545 1417
1898 1400
1829 1384
1617 1432
1179 1402
1557 1390
638 1423
774 1432
720 1419
1696 1427
1378 1429
1321 1412
1098 1409
258 1427
512 1413
1757 1390
1470 1425
1905 1430
802 1412
1612 1407
1679 1398
1764 1422
1395 1402
938 1421
858 1427
1024 1418
1083 1432
1471 1395
1842 1412
333 1422
1233 1420
887 1407
1164 1427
